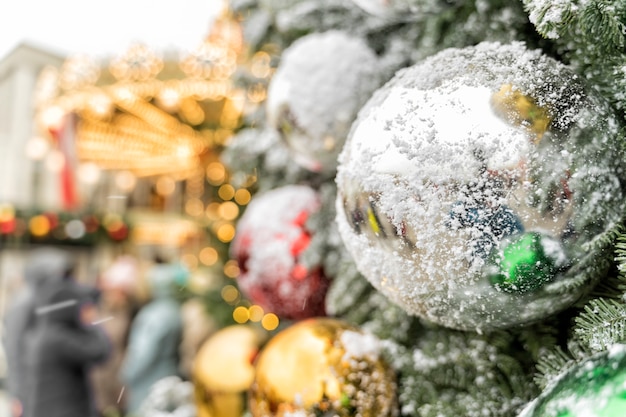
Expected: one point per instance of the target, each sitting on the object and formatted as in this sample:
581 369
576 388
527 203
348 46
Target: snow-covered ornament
323 367
321 83
223 370
474 184
593 388
169 396
270 240
400 9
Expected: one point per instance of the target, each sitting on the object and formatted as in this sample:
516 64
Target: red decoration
8 226
65 138
117 230
270 240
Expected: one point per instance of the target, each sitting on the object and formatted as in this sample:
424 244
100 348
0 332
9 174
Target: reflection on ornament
594 388
444 168
223 370
314 96
521 110
526 263
320 367
488 225
269 244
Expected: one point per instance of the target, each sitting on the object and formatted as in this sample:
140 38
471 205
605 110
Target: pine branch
457 373
550 18
602 324
598 22
551 365
535 338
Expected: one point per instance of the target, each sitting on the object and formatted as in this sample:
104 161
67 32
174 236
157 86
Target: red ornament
117 230
8 226
270 240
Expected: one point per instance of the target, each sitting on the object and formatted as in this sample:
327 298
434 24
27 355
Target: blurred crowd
96 349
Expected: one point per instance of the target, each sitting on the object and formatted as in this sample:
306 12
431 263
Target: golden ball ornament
223 370
474 185
323 366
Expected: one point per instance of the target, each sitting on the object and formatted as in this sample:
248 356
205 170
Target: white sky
105 27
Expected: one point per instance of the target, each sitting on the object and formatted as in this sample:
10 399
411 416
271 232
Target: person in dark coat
67 341
44 266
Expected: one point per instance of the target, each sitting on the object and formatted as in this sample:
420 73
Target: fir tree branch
551 365
602 324
599 22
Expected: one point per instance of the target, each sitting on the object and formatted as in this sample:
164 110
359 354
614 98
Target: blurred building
20 166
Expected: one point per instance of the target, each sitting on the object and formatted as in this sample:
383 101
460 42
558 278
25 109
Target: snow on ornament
472 185
169 397
269 242
401 9
593 388
322 81
323 367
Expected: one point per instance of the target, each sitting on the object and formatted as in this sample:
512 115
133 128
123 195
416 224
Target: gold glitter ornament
223 370
319 367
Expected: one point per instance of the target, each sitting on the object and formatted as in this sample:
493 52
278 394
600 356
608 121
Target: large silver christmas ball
473 187
322 81
401 9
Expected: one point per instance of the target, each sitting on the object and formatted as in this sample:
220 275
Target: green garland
47 227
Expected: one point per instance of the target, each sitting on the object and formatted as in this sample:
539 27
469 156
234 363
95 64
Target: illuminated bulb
7 212
52 117
89 173
208 256
194 207
256 313
39 225
229 210
125 180
230 293
226 232
243 196
101 105
270 321
200 283
231 269
78 72
124 95
75 229
165 186
226 192
55 161
256 93
241 314
169 99
37 148
212 211
260 66
183 151
216 173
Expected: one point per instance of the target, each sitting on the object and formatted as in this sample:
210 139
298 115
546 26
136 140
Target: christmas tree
438 212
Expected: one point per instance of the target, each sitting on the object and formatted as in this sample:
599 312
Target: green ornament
594 388
523 265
